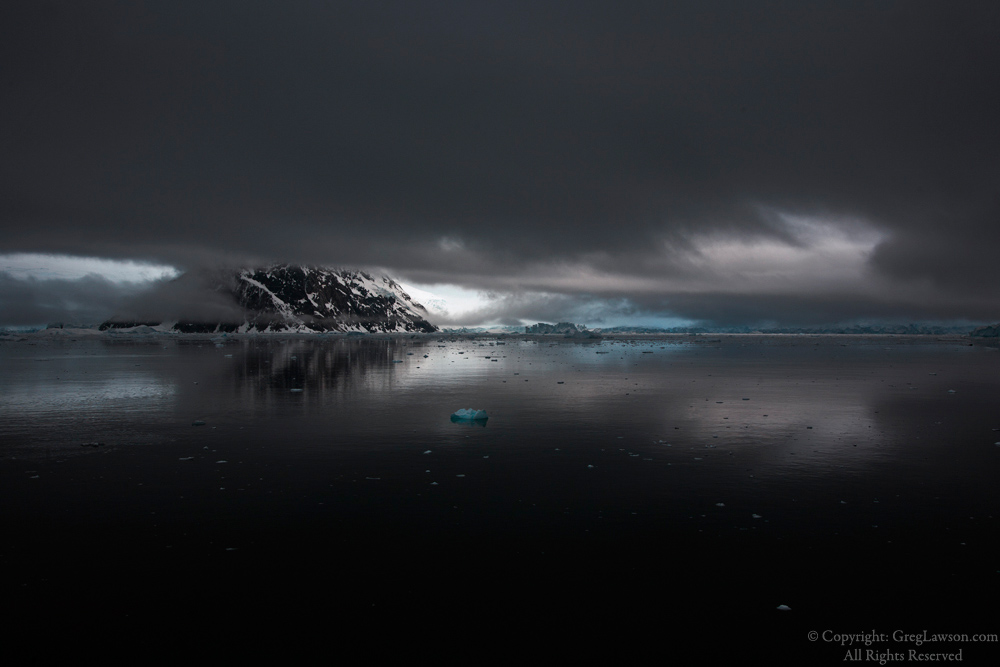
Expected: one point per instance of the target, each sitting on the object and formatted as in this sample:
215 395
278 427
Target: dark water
622 494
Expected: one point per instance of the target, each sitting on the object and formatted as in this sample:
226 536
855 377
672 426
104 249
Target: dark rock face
288 298
585 334
206 327
560 328
298 298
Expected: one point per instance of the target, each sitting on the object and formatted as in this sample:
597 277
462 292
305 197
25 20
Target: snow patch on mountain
286 298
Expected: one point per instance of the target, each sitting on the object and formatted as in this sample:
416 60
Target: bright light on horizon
449 300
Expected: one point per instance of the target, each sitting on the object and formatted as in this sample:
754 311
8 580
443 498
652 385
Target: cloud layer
88 300
720 161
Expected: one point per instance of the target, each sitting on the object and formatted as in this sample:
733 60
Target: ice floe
469 414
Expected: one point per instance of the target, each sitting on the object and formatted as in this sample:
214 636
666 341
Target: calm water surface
852 479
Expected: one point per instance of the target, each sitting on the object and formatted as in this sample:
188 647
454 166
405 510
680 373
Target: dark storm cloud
88 301
193 297
483 142
93 299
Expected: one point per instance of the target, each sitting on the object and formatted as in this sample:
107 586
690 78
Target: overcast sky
723 162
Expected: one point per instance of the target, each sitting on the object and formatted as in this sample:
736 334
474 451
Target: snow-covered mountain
285 298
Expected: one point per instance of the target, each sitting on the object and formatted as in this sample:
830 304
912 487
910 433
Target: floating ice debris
784 607
186 458
197 422
295 391
755 516
92 444
469 414
951 391
427 452
222 461
434 483
720 504
459 475
589 466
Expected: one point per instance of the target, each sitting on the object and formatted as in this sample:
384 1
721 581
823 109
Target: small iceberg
469 415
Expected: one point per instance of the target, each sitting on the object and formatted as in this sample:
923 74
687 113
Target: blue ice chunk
469 414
